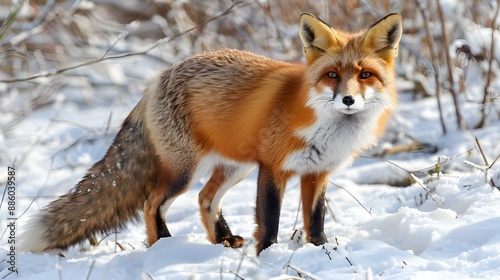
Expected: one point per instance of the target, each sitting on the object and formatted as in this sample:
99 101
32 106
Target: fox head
351 72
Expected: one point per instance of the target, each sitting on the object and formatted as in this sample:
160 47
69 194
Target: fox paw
320 239
234 241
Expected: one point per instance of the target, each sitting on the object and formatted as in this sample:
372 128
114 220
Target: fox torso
226 112
249 108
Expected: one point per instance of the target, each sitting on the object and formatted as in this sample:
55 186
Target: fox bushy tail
112 193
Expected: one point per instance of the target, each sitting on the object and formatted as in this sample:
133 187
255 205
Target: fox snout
348 103
348 100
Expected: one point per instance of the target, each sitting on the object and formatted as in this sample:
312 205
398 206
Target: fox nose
348 100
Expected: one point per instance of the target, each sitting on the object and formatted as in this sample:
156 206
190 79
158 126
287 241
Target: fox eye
332 75
365 75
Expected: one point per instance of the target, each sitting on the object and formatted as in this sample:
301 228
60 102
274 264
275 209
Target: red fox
226 112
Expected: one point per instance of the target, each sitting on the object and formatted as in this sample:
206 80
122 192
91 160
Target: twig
481 151
10 272
243 255
125 237
297 216
490 69
236 276
220 268
43 13
484 169
108 126
418 180
475 165
236 5
427 190
59 268
4 30
87 275
327 252
287 264
116 242
450 67
302 273
404 148
423 170
327 201
37 194
120 246
19 38
340 187
435 63
106 236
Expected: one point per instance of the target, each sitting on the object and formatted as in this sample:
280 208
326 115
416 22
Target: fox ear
316 36
384 35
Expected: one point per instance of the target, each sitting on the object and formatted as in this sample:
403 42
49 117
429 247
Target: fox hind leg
167 189
210 200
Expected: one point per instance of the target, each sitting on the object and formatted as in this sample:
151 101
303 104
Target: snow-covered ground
439 219
450 231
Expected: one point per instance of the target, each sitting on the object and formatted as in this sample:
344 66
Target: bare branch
4 30
87 275
41 27
450 67
491 57
235 6
435 63
482 152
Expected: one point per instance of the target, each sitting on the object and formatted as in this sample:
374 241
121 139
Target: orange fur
151 206
312 186
207 195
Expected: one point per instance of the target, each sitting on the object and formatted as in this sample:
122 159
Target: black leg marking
317 223
268 209
224 235
175 189
162 226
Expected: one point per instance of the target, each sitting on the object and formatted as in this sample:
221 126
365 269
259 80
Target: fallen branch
405 148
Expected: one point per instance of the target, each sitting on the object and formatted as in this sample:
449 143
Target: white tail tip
32 236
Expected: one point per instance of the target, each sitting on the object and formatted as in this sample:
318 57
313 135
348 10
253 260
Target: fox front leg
270 190
313 188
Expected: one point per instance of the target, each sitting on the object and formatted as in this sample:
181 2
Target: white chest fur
335 137
332 143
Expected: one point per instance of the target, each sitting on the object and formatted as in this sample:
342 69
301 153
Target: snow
405 235
427 224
